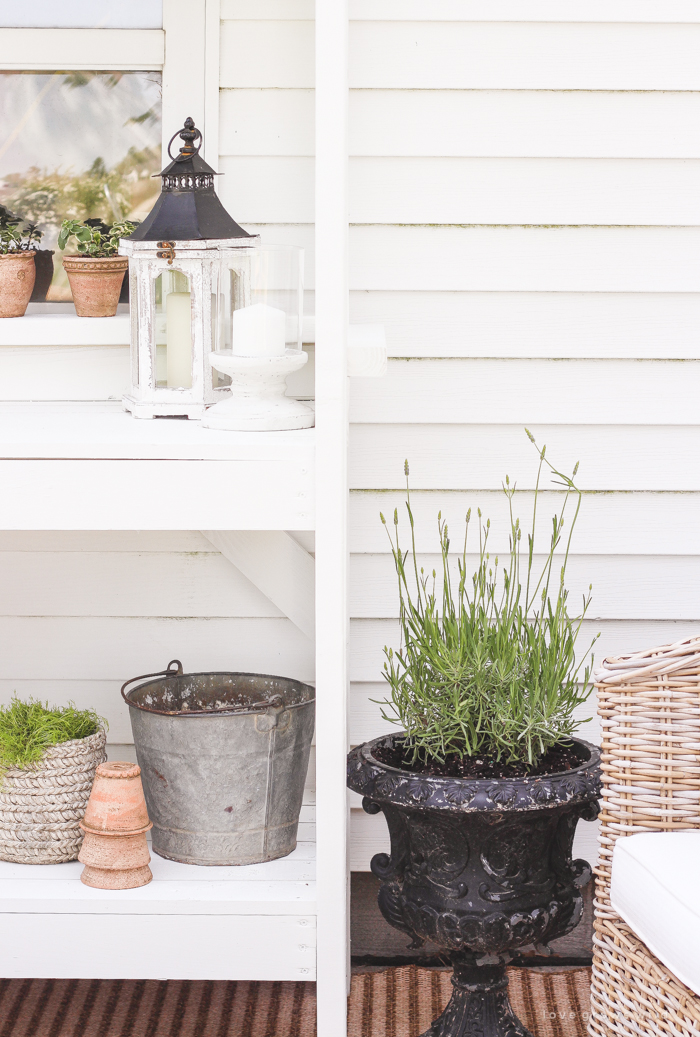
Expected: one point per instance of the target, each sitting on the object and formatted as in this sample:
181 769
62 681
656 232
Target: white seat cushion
656 890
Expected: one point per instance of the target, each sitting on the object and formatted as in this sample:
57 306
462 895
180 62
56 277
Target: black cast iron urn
479 867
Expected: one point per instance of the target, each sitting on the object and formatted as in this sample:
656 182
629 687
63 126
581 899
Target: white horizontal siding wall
525 219
80 613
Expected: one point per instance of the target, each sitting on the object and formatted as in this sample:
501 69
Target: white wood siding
525 223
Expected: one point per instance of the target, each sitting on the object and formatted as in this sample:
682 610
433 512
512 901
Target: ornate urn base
479 867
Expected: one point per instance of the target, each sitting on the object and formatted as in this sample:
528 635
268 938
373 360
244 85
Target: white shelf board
64 329
92 466
104 431
190 922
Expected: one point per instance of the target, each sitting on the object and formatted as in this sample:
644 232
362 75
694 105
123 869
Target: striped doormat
394 1003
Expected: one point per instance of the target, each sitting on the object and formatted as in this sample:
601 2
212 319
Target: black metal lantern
188 208
178 257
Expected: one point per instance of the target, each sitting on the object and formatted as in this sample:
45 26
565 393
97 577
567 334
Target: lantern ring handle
180 157
169 672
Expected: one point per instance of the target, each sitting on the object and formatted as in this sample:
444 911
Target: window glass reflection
78 145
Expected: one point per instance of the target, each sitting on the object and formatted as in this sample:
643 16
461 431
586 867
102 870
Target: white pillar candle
258 330
178 313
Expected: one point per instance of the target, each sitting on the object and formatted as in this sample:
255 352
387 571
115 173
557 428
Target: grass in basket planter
27 729
486 682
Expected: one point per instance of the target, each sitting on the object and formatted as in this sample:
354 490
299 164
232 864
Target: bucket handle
275 709
169 672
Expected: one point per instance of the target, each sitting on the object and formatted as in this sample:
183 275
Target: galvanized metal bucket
223 760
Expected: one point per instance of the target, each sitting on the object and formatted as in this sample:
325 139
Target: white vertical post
184 23
331 512
212 34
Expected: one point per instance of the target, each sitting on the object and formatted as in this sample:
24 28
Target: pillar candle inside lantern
258 330
178 312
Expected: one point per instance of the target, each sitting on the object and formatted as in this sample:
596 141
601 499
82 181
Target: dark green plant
95 239
28 728
488 669
16 233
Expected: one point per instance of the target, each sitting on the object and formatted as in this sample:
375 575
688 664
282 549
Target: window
79 144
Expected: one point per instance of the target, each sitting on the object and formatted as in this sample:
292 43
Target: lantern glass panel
260 304
173 308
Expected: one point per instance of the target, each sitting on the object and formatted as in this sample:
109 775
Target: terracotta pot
115 861
95 283
117 805
17 274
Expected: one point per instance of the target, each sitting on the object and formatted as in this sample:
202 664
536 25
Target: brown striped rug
393 1003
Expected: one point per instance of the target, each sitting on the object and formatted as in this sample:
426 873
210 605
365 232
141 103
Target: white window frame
185 50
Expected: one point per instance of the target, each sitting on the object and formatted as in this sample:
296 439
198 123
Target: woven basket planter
649 704
41 806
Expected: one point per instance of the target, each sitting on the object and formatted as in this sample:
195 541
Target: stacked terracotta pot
115 851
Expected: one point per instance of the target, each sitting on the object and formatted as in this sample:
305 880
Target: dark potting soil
562 757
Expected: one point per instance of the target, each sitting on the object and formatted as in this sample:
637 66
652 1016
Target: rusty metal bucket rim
257 709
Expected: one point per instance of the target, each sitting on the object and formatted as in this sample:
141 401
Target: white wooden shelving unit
70 463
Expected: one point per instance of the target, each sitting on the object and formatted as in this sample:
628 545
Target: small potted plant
97 272
483 788
48 759
17 269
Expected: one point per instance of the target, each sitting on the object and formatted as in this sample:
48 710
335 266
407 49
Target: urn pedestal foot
479 1006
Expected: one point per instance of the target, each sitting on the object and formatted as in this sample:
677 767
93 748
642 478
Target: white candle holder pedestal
257 402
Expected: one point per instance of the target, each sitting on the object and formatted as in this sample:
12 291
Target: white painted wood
102 648
128 14
89 494
81 48
103 430
266 122
64 329
576 392
477 55
366 351
331 240
102 540
661 588
477 190
477 10
517 190
63 372
117 583
535 324
464 123
613 457
267 54
275 564
506 258
563 259
184 77
518 10
471 55
189 947
212 50
610 524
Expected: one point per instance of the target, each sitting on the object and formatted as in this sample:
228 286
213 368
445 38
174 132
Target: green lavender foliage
487 666
28 728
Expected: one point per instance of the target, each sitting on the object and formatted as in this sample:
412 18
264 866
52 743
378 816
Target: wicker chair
649 703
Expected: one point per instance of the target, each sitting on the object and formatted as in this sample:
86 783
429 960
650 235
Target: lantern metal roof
188 207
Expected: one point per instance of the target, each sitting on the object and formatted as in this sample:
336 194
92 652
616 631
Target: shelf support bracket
277 565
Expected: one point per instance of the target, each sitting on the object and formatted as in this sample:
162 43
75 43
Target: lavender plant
487 667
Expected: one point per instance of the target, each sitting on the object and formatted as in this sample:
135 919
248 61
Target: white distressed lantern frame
202 263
